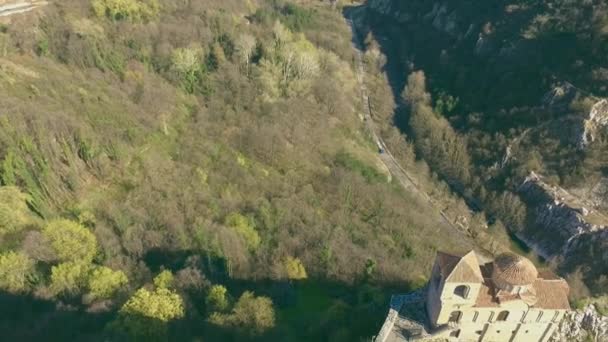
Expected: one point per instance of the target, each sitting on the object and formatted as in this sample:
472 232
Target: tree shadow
312 309
488 73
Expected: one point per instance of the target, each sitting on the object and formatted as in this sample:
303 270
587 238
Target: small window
462 291
478 332
455 333
540 315
475 315
502 316
555 316
455 316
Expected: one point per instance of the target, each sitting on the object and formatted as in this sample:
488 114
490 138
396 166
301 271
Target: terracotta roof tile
446 263
552 294
513 269
457 269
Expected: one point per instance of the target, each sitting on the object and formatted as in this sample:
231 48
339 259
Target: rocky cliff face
592 123
583 325
502 60
562 217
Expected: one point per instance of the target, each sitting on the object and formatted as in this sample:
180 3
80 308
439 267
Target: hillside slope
519 86
177 155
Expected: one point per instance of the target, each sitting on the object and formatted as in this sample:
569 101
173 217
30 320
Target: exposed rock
563 216
583 325
596 119
560 97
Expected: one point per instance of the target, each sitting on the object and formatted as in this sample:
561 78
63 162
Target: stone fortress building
504 300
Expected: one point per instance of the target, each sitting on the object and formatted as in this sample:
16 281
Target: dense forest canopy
202 169
488 92
195 169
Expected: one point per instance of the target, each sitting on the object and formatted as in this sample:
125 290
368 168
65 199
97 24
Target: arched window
502 316
462 291
455 316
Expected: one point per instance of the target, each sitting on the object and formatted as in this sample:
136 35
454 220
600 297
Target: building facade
504 300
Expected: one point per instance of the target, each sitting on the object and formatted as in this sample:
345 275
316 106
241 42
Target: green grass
348 161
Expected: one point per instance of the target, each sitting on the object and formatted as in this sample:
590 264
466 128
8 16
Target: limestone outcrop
583 325
561 217
595 120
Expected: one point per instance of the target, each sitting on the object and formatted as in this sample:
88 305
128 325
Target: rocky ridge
566 216
583 325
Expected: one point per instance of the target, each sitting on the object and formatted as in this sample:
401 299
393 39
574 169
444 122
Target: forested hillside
489 92
187 170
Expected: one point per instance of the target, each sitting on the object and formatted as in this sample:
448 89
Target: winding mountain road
396 170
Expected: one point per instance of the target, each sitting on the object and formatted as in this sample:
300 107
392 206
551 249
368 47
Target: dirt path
396 170
8 9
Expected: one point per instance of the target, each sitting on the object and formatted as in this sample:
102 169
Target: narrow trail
19 7
396 170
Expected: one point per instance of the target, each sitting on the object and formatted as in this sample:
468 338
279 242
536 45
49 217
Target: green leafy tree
245 227
164 279
105 282
444 150
70 241
134 10
294 268
69 277
216 299
16 270
145 315
187 63
14 212
252 315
